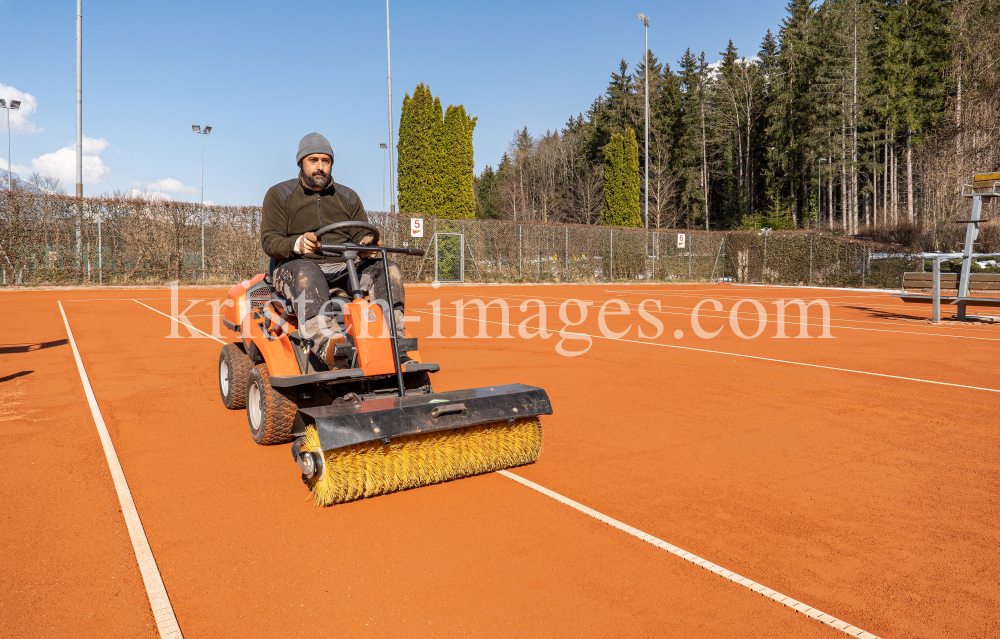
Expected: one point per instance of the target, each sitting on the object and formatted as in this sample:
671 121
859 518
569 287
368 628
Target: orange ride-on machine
373 424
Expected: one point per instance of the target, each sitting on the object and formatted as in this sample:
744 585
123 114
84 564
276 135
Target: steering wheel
336 226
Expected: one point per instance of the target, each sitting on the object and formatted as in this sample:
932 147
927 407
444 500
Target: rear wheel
234 373
270 414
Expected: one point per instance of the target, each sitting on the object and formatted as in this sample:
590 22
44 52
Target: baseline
163 612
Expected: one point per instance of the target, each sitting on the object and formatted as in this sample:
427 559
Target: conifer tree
420 128
456 165
435 157
621 181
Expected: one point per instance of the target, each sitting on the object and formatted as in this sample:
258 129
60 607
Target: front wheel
270 414
234 373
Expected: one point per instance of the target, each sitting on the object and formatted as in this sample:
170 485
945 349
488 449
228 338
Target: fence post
763 269
611 243
864 262
936 315
203 245
100 254
725 251
810 260
567 253
520 256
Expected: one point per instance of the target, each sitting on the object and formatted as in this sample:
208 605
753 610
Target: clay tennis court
857 475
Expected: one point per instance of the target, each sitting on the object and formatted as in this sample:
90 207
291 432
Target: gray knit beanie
313 143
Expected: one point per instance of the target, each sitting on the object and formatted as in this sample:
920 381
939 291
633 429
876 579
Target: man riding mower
324 358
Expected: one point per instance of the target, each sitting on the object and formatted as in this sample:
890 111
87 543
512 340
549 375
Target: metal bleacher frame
985 185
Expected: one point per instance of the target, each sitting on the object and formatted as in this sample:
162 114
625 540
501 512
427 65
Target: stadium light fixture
196 128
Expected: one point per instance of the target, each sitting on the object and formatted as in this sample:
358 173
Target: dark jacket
291 209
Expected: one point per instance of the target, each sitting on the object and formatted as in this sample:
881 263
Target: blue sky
263 74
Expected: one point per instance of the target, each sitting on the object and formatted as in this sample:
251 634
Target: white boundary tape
163 613
797 606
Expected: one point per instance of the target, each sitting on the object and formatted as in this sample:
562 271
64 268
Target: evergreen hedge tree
419 132
621 181
435 166
457 166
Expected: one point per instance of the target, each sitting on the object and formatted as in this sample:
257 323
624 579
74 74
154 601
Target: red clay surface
873 499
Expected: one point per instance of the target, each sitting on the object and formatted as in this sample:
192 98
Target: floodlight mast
201 138
645 64
382 145
388 64
13 106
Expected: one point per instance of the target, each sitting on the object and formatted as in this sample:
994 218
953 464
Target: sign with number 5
416 227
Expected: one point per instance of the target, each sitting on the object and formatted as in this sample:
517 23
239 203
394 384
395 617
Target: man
293 210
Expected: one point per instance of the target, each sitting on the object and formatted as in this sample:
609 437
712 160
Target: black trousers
308 285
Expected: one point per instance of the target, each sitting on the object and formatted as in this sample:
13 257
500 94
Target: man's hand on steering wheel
371 255
307 243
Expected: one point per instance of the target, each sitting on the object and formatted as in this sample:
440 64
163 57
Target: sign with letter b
416 227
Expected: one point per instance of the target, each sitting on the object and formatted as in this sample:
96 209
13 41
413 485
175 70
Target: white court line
753 316
743 581
163 613
685 348
180 322
797 606
757 357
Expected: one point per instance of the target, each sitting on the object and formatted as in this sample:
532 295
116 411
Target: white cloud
209 203
20 120
150 196
170 185
61 164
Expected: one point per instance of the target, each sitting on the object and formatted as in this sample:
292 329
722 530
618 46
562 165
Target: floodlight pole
645 64
382 146
79 129
202 132
388 63
4 105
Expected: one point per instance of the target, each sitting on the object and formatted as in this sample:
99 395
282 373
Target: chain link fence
52 240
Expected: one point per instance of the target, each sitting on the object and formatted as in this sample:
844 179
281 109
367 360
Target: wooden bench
924 282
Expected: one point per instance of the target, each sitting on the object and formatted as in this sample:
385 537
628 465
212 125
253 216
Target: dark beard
320 181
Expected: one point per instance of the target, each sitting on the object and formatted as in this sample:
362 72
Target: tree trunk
844 199
854 131
895 184
958 116
874 184
829 193
885 178
704 163
909 174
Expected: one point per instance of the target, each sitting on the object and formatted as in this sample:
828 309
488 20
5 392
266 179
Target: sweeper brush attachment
375 468
356 449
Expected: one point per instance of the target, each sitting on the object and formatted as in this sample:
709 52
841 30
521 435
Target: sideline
163 612
795 605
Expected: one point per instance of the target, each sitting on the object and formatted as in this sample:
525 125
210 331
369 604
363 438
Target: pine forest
855 116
